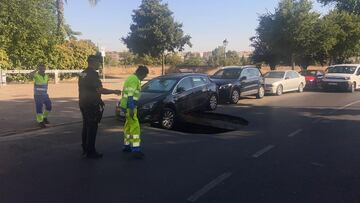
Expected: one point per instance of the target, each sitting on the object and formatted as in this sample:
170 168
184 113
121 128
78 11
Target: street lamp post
225 43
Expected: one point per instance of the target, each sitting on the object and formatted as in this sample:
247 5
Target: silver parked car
278 82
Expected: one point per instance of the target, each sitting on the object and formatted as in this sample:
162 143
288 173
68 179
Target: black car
164 99
236 81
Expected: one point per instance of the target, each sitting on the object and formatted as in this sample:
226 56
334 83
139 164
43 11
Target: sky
208 22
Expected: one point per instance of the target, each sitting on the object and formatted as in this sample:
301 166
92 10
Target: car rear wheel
301 88
235 96
168 119
279 90
213 101
261 92
352 87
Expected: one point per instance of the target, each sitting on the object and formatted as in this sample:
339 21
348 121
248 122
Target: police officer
41 96
91 105
129 100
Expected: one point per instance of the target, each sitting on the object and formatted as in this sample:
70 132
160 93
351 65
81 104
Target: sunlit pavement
296 148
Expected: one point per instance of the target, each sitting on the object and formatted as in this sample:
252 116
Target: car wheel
235 96
301 88
279 90
168 119
261 92
352 87
213 101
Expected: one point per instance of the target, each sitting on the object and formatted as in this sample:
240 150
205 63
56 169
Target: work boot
84 150
138 155
42 125
126 149
46 121
94 155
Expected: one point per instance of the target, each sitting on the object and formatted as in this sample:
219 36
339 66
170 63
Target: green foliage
4 60
173 59
232 58
27 31
351 6
217 57
154 31
193 61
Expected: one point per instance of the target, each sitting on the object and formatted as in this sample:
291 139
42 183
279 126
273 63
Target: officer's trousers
132 131
90 115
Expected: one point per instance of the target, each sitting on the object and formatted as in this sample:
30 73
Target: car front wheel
261 92
213 101
279 90
301 88
168 119
235 96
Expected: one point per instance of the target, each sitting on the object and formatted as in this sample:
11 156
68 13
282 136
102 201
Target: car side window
245 73
294 74
185 85
254 72
288 75
358 72
198 81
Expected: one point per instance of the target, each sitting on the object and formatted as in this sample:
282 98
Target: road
296 148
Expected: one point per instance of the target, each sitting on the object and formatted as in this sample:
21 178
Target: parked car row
165 98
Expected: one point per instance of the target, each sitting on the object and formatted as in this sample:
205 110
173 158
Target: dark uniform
91 107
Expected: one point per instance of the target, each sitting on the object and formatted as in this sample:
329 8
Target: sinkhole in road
210 123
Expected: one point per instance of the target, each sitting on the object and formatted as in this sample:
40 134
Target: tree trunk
60 17
162 64
292 62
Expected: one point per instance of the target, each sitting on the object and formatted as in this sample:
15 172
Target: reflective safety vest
131 92
40 84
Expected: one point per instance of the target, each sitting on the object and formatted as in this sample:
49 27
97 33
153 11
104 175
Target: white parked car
278 82
343 76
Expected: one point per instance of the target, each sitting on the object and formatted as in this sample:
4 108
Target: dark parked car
236 81
165 98
313 78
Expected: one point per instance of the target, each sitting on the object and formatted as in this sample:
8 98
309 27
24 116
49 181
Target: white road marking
336 110
295 133
209 186
263 151
348 105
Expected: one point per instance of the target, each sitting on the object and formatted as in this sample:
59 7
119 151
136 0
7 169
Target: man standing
91 105
41 96
130 97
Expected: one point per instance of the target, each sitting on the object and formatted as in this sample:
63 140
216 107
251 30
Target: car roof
238 67
182 75
345 65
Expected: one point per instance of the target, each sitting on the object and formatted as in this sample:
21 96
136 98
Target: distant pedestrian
41 96
91 105
129 101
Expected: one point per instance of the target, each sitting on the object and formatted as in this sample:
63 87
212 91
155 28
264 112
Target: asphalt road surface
296 148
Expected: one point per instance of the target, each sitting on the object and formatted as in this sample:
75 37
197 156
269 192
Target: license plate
332 84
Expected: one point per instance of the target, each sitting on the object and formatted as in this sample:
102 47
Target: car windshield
159 85
274 75
227 74
342 69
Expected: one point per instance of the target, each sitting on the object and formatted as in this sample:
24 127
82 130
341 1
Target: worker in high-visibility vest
41 96
129 100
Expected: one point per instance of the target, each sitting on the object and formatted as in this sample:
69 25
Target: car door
255 80
245 82
295 80
183 95
200 91
357 76
287 82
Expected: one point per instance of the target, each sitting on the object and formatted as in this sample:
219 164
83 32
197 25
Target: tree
127 58
352 6
155 32
27 31
4 60
174 59
217 57
194 61
232 58
62 28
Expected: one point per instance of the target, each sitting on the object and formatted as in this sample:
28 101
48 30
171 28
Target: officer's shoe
46 121
94 155
42 125
138 155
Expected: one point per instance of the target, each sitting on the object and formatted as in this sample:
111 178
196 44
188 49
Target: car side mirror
287 78
180 90
243 78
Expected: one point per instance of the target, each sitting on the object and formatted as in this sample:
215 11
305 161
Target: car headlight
149 106
225 86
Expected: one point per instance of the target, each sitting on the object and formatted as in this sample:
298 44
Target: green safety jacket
40 84
131 93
